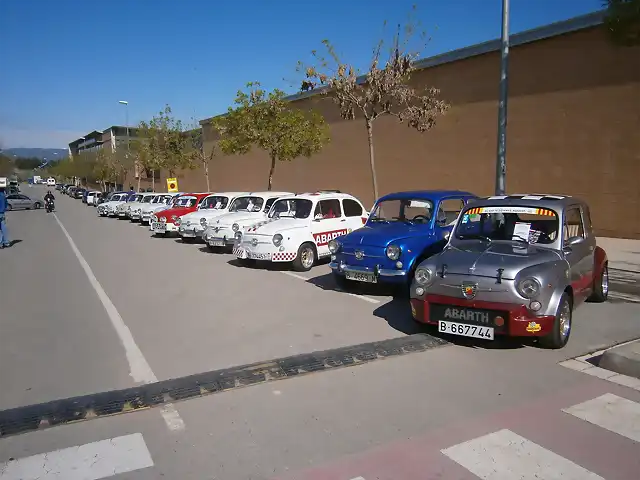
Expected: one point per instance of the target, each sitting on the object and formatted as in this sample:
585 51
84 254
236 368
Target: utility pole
501 160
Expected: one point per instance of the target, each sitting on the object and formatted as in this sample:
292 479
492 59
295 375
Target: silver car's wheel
565 320
561 330
604 281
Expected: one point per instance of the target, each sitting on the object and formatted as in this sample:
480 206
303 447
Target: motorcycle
49 206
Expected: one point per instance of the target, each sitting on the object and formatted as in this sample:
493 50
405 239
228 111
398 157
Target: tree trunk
206 175
273 168
139 177
372 163
153 180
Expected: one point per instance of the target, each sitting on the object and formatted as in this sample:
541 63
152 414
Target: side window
12 197
351 208
326 209
449 210
268 203
587 218
573 226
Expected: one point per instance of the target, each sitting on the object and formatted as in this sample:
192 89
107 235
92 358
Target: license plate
361 277
217 243
159 226
187 233
259 256
465 330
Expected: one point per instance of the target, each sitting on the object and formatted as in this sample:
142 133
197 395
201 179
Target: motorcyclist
49 198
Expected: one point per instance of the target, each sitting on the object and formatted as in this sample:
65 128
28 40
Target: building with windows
114 137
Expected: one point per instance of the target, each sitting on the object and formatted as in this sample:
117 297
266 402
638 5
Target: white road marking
611 412
139 368
625 296
361 297
91 461
358 478
504 455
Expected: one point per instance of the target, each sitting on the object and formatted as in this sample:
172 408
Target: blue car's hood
380 235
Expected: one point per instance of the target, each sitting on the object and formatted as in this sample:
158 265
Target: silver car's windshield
508 223
246 204
407 210
185 202
291 208
147 199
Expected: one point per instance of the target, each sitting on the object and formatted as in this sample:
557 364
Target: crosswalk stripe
504 455
616 414
92 461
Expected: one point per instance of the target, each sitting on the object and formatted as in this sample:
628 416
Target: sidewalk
623 254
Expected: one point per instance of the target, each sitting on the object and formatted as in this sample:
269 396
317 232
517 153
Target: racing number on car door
328 223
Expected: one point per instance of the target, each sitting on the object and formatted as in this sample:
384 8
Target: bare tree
198 153
383 90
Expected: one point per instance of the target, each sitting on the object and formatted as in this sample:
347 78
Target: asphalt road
119 308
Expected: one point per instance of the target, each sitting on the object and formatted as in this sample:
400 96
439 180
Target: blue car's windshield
403 210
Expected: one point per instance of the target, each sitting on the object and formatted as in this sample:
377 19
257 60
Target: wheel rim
307 257
565 320
604 281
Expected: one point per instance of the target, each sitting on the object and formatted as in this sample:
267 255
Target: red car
164 222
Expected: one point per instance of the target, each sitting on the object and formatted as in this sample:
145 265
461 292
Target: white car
125 211
91 196
160 202
108 209
245 210
121 210
192 225
299 228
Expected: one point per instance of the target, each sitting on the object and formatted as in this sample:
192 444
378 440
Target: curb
623 359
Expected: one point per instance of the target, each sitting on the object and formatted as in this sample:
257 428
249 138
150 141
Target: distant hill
41 153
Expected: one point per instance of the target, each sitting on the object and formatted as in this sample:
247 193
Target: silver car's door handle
343 220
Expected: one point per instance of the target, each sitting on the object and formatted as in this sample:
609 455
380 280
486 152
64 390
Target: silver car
514 265
19 201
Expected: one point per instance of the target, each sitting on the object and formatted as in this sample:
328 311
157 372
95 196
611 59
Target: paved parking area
98 304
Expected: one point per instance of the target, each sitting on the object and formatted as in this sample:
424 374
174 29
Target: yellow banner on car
172 185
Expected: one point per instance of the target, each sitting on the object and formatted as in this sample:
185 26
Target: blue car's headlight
334 246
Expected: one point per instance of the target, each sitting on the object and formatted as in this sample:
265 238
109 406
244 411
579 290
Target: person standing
4 234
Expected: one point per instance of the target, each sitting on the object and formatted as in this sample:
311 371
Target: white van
51 182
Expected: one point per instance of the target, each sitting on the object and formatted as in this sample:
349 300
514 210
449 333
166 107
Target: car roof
227 194
320 195
542 200
267 194
434 195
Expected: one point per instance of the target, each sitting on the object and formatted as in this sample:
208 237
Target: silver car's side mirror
574 241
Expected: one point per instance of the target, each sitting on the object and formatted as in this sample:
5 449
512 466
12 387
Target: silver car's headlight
393 252
203 222
529 287
334 246
235 227
163 219
277 239
238 236
424 276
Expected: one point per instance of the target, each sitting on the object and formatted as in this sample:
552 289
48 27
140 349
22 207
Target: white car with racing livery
244 211
108 209
158 203
192 225
299 228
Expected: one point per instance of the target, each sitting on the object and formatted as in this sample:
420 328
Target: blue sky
66 63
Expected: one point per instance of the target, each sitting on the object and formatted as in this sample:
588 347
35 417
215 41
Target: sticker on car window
521 231
465 218
419 204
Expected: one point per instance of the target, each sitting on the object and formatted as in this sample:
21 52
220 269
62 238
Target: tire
37 205
9 207
561 332
306 258
215 249
601 286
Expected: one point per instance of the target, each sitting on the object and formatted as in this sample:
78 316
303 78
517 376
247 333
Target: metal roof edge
543 32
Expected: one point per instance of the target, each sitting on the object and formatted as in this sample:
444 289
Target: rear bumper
519 321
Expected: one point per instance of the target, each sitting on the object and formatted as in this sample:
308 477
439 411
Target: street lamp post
501 160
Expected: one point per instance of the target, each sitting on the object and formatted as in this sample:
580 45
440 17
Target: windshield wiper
376 219
475 236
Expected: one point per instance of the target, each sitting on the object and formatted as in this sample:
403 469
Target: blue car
401 231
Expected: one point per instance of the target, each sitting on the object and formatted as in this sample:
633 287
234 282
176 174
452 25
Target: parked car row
510 265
